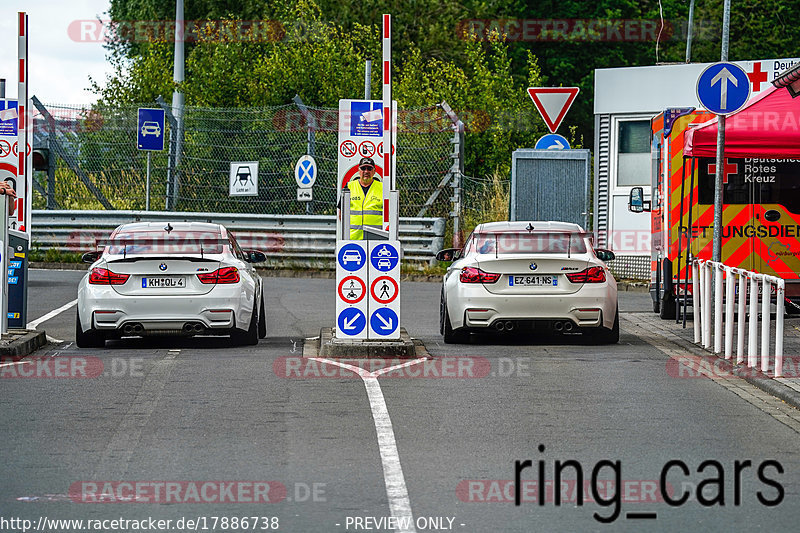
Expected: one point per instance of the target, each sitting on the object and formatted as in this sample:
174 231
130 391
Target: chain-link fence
95 163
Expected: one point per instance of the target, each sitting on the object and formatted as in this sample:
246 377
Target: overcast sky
60 62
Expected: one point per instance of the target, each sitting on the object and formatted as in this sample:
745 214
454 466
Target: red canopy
768 126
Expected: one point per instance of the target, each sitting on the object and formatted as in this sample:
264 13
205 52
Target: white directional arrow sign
387 323
348 324
723 78
723 88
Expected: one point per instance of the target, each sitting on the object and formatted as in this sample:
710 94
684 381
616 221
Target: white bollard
729 278
707 307
741 319
765 297
779 328
752 356
717 269
696 300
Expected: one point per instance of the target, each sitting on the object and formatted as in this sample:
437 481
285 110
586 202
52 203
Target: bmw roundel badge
534 266
162 266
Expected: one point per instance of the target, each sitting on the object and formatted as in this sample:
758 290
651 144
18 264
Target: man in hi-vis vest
366 200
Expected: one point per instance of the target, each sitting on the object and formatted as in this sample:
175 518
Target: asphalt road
197 413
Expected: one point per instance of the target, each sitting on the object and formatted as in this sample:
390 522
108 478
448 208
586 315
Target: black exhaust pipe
499 326
568 326
558 326
509 326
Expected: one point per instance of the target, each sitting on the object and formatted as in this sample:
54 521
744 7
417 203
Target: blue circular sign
352 257
384 321
305 172
723 88
351 321
552 141
384 257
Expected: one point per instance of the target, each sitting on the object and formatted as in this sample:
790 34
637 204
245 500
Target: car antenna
168 227
530 227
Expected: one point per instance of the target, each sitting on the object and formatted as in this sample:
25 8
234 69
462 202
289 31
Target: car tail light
476 275
221 275
594 274
102 276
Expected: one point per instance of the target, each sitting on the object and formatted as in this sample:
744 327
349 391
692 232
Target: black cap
366 161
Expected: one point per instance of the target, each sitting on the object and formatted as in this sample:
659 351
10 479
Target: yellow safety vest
365 210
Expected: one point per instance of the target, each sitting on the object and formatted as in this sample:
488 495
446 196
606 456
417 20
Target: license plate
533 281
163 283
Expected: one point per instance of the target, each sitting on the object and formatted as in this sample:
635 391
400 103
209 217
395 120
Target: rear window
163 243
528 243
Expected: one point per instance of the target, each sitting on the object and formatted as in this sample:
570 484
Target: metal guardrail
288 240
701 295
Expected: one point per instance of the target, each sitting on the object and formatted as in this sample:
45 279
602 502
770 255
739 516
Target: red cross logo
730 168
757 77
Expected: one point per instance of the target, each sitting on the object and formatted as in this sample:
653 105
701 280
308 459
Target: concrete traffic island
326 345
19 343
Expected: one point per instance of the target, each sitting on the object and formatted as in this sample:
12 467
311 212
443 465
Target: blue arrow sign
723 88
352 257
552 141
384 321
384 257
351 321
150 129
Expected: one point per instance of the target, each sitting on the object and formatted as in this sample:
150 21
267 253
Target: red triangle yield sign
553 103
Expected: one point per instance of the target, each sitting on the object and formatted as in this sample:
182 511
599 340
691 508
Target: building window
633 154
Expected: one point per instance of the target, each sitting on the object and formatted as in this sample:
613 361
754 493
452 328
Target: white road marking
393 478
51 314
15 363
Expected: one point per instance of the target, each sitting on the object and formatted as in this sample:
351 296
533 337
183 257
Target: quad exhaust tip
192 328
508 325
133 329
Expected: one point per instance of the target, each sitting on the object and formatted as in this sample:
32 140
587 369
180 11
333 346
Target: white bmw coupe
528 275
175 278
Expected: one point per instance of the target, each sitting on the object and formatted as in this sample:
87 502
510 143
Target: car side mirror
604 255
448 254
636 201
254 256
91 257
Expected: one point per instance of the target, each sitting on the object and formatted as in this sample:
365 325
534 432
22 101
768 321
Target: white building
625 99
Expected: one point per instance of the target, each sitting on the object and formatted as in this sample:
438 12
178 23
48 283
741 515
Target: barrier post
344 209
751 344
696 299
779 302
4 247
707 310
765 297
729 279
718 272
741 319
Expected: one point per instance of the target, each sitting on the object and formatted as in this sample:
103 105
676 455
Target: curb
22 343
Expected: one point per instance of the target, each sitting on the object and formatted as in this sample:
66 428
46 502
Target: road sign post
149 137
723 88
384 290
305 174
351 289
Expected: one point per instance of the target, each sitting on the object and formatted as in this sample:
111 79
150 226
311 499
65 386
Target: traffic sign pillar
4 247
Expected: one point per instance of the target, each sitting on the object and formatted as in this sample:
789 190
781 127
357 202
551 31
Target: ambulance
761 202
